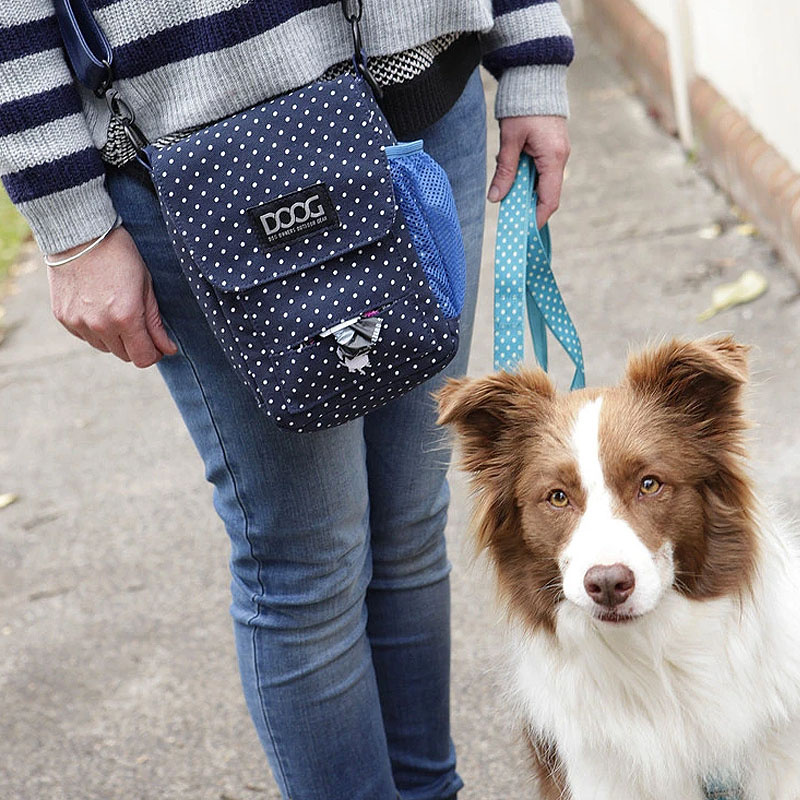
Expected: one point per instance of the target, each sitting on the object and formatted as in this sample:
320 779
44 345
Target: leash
522 269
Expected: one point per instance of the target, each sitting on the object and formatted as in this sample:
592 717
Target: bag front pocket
315 387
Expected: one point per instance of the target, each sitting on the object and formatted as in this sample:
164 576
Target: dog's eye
649 485
558 498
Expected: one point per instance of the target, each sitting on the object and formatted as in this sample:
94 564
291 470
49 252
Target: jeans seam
252 554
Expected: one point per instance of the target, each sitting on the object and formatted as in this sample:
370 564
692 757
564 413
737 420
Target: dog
653 601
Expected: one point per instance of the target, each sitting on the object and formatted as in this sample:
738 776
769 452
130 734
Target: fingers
125 336
154 325
506 170
546 140
107 299
138 343
113 344
96 342
80 331
551 177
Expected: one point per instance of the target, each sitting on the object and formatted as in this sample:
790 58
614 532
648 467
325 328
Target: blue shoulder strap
88 50
522 270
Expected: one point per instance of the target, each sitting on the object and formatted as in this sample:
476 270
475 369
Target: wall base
759 179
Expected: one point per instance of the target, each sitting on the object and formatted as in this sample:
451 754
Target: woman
340 575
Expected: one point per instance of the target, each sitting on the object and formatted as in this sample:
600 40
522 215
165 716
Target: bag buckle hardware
125 116
353 16
101 90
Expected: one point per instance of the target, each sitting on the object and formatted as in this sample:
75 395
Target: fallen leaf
748 287
710 231
7 499
746 229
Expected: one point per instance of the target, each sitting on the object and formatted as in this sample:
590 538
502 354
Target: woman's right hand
106 298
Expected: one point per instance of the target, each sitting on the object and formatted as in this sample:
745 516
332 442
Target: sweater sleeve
48 163
528 51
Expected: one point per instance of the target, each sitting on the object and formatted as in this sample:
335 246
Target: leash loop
522 269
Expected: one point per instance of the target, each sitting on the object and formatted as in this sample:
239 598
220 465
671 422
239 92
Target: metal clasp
353 10
125 116
101 90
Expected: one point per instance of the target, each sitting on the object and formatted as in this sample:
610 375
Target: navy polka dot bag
326 257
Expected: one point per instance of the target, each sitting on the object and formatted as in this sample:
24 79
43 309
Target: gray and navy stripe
49 163
182 67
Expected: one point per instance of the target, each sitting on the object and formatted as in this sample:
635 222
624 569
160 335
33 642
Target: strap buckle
353 11
125 116
108 79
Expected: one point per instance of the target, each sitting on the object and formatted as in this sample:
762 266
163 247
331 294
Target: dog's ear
488 412
700 379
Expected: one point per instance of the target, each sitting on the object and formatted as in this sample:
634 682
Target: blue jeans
341 596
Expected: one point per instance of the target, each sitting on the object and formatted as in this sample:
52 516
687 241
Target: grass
13 233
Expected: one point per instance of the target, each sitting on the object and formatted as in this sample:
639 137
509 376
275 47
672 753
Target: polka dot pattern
268 306
523 270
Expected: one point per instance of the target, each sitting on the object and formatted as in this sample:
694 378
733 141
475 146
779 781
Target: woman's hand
546 140
106 298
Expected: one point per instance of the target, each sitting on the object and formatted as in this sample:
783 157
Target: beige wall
750 51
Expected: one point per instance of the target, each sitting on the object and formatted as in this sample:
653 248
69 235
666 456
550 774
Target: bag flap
280 187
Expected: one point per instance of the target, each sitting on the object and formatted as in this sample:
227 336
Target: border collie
654 603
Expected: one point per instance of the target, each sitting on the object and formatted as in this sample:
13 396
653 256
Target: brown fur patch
548 769
692 394
513 434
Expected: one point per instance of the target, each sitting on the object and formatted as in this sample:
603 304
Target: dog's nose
609 586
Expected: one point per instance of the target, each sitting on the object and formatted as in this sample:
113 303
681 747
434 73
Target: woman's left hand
546 140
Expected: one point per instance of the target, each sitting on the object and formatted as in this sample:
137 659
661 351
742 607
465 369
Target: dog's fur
697 673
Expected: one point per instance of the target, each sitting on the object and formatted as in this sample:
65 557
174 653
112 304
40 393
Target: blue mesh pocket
424 196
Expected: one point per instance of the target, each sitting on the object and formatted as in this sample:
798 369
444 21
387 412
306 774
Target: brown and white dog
654 603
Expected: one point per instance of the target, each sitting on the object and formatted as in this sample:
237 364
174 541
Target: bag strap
522 269
88 49
92 58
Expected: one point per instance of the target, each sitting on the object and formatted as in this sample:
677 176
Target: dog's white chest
679 696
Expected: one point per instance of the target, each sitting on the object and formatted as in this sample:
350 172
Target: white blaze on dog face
603 537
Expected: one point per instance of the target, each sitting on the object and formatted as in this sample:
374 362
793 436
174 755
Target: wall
750 52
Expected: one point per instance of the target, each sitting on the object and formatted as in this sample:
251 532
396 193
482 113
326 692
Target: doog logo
294 215
288 216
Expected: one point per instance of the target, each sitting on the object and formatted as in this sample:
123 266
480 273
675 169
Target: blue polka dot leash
522 269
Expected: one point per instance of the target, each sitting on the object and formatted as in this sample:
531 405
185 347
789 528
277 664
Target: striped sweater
185 63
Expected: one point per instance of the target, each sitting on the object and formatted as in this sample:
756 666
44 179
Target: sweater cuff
532 90
70 217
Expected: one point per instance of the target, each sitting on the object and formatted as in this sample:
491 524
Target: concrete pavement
117 672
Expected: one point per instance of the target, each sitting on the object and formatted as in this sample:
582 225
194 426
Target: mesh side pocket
424 195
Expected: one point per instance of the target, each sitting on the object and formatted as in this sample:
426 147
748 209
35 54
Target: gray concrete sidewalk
117 672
